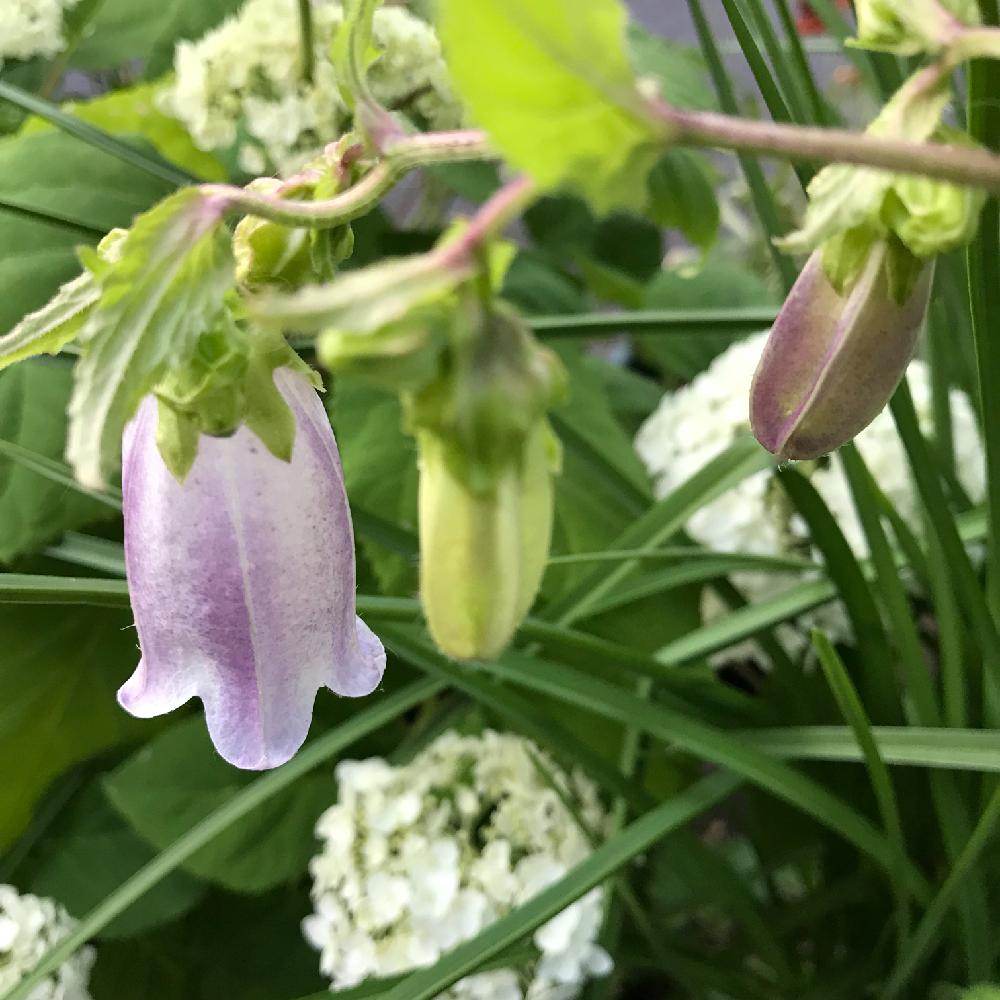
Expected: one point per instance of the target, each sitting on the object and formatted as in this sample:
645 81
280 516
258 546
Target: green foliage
177 780
33 509
121 29
42 171
571 115
91 853
58 678
133 111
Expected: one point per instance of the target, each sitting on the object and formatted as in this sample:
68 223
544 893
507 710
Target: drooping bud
242 582
833 359
483 552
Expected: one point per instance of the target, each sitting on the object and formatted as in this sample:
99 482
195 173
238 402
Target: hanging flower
29 927
420 857
242 582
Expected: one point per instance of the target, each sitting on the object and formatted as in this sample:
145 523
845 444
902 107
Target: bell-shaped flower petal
832 361
242 582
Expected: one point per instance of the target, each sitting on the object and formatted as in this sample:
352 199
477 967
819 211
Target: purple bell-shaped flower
242 582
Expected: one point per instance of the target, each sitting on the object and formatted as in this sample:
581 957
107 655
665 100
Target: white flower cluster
32 28
29 927
242 85
419 858
697 422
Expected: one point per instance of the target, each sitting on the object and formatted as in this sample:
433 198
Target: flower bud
833 359
242 581
910 27
483 551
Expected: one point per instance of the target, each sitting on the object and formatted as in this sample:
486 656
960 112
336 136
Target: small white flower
29 927
33 28
429 862
245 78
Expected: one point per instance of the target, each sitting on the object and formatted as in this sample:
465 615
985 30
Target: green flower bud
833 360
483 552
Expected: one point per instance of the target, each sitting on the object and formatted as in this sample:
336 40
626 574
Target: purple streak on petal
242 583
832 362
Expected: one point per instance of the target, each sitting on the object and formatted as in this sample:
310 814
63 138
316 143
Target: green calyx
911 27
226 383
271 255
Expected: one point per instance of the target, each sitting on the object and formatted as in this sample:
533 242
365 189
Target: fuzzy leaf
49 329
570 113
166 291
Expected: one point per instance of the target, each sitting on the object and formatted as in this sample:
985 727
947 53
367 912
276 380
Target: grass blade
152 164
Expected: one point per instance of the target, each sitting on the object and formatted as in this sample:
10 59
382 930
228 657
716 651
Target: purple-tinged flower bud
242 582
832 361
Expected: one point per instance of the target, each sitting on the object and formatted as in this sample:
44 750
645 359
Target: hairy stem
959 164
399 159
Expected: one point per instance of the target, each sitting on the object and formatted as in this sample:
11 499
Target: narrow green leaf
928 931
664 519
24 588
853 711
149 163
904 746
99 554
760 192
571 114
693 736
653 322
879 685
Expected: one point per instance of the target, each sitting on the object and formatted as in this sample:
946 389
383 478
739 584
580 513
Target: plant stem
499 210
306 41
399 159
961 165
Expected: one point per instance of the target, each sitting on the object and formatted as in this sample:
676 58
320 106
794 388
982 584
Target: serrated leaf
49 329
362 300
178 779
553 86
166 290
58 677
33 508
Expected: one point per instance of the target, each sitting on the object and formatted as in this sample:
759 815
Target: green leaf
91 852
682 196
35 509
380 472
49 329
570 115
166 290
124 29
717 285
178 779
678 69
133 111
362 300
58 677
44 171
244 802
